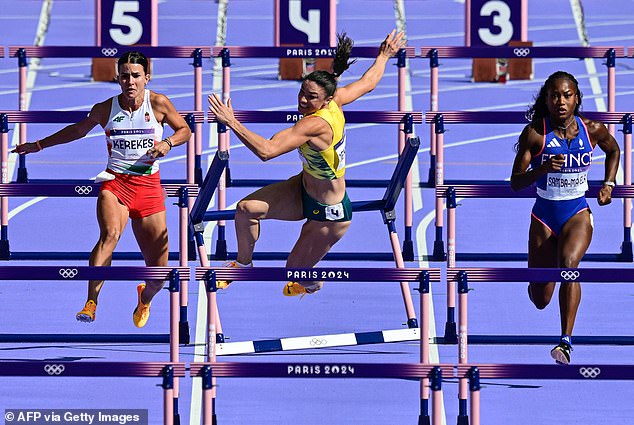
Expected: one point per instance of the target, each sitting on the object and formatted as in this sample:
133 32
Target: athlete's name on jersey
316 370
562 181
581 159
133 144
317 274
293 117
310 52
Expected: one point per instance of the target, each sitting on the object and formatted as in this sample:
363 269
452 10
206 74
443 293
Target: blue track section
504 326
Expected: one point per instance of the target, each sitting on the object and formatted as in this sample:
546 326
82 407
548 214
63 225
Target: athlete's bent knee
248 209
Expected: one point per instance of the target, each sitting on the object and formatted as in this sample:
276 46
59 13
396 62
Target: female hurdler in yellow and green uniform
328 164
318 193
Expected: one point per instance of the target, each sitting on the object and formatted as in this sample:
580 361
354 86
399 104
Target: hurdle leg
439 249
474 389
212 316
433 107
450 326
626 247
436 388
22 176
423 417
405 291
209 412
223 144
168 395
174 289
4 201
204 262
183 248
463 289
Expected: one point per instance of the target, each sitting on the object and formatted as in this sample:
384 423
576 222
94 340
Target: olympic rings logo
83 190
589 372
570 275
521 52
68 273
109 51
54 369
318 341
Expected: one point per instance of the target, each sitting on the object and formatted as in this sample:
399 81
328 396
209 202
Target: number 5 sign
122 23
126 22
495 22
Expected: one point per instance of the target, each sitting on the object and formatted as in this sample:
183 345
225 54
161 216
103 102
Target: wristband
169 142
39 147
608 183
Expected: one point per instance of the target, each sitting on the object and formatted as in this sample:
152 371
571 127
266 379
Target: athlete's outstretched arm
369 80
67 134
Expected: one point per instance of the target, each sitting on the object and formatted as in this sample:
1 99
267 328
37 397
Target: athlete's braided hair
328 80
539 109
133 57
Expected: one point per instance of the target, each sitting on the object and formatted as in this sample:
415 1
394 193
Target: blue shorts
554 214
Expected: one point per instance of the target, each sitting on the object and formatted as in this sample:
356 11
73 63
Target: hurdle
175 275
226 53
451 193
194 152
71 188
407 119
86 188
386 205
210 274
588 372
465 275
168 371
511 117
433 53
209 371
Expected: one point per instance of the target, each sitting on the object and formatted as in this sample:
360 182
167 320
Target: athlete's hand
555 163
392 43
223 113
159 150
605 195
25 148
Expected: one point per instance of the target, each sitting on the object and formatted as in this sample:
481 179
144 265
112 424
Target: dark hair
539 109
328 80
133 57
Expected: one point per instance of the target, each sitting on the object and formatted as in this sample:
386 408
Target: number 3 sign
495 22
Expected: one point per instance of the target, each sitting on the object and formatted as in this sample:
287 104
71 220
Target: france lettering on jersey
130 135
571 181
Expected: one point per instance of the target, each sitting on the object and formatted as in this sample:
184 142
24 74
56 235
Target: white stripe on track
42 28
417 201
195 408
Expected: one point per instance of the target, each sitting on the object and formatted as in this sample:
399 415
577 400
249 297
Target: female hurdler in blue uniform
554 152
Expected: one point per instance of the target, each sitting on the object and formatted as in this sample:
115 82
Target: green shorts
314 210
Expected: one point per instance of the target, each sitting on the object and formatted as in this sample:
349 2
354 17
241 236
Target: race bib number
561 186
334 212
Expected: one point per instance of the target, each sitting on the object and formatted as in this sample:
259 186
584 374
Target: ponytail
328 80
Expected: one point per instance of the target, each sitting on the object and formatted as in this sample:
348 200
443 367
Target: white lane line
195 407
577 12
40 35
417 201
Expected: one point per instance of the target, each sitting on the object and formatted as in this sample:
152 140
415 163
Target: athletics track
257 310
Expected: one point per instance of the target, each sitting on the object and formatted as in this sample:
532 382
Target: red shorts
143 195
